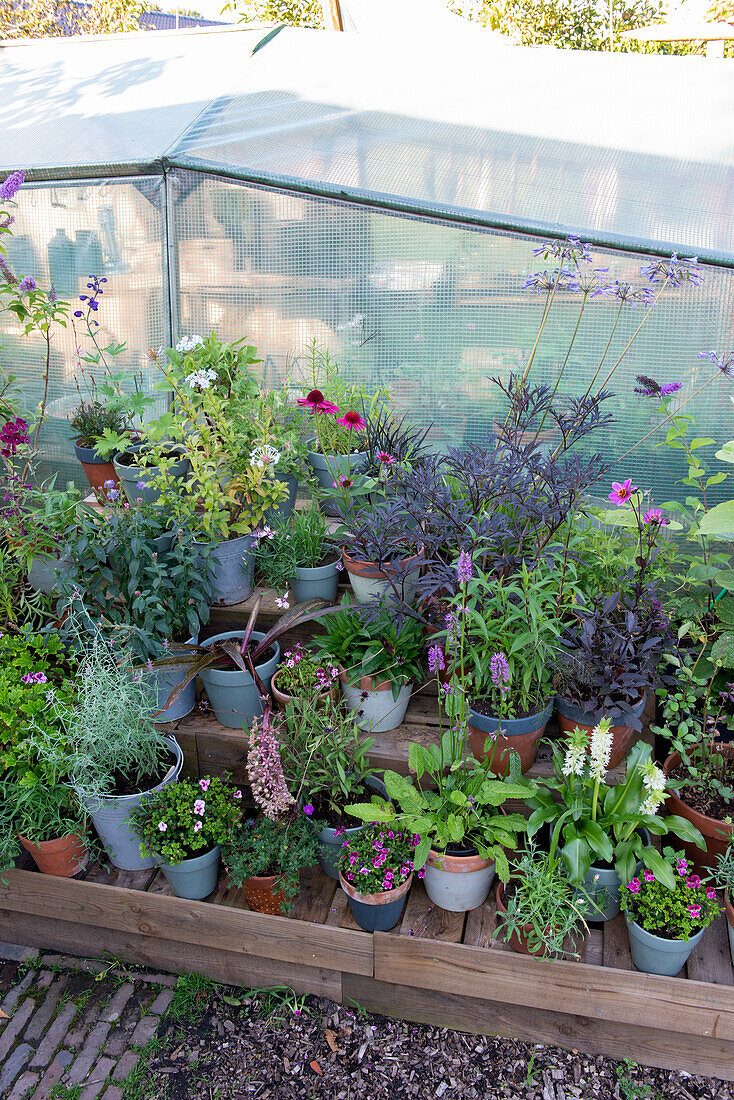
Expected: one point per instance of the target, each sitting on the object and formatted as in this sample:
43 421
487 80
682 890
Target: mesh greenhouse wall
430 309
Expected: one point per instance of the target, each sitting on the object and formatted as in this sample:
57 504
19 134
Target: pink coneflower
622 491
353 421
385 458
316 402
655 517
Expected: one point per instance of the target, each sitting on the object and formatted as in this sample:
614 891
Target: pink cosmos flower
622 491
199 807
353 421
316 402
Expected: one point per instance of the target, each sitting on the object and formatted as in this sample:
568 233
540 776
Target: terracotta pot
262 896
65 856
282 699
622 736
520 735
716 833
519 940
369 582
96 469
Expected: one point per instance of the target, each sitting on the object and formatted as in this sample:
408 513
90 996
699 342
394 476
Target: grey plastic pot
520 735
42 573
162 680
319 580
655 955
340 464
131 476
231 692
602 887
458 883
375 709
285 508
194 878
111 818
233 562
331 841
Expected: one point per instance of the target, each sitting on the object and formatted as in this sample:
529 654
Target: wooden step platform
443 968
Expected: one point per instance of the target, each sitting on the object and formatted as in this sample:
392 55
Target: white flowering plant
186 819
595 824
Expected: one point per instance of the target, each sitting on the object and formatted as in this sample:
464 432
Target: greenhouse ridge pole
335 14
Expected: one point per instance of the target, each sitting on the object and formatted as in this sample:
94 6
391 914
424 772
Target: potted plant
264 856
302 677
296 557
603 833
266 418
182 827
541 912
112 752
143 585
723 877
379 661
89 422
34 520
700 770
42 814
382 557
665 923
376 873
325 762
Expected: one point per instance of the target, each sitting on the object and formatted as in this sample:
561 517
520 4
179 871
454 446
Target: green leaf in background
718 523
722 651
726 453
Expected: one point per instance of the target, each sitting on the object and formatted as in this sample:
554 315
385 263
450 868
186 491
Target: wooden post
335 15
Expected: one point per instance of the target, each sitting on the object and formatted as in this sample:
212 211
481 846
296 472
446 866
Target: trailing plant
375 860
543 908
673 912
289 543
325 757
187 818
375 647
593 823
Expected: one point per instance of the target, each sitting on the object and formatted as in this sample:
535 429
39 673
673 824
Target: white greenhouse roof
624 148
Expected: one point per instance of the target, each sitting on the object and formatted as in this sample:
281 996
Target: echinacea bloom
344 482
622 491
11 185
655 517
385 458
316 402
353 421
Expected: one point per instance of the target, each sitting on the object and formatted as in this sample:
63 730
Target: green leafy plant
723 874
375 647
674 913
325 756
187 818
375 859
266 847
299 541
38 807
593 823
92 419
543 909
302 675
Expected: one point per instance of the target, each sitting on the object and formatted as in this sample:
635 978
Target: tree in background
297 13
60 18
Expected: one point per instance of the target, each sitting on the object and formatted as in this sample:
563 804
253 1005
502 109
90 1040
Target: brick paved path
67 1028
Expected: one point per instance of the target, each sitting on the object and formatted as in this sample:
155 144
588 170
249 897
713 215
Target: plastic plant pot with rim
717 834
458 883
570 716
370 583
232 692
162 680
42 573
602 887
233 562
63 856
316 581
193 878
373 705
262 895
520 735
97 470
131 476
656 955
111 818
282 700
325 467
331 841
377 912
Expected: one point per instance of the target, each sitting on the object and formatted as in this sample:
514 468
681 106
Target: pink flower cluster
634 885
34 678
265 771
13 434
317 403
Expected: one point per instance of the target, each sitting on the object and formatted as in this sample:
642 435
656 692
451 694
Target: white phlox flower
265 455
201 379
188 343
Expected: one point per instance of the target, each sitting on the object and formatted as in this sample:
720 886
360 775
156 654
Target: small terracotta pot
622 736
97 471
518 940
262 896
64 856
716 833
520 735
282 699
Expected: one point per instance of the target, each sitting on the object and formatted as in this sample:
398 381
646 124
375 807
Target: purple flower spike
11 185
500 671
436 662
464 567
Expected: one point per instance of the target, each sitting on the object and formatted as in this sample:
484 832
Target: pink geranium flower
622 491
199 806
316 402
353 421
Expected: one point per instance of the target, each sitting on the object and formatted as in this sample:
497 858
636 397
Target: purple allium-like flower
675 271
500 671
464 567
11 185
724 363
436 662
27 283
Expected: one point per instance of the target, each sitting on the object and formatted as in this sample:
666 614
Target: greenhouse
290 185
